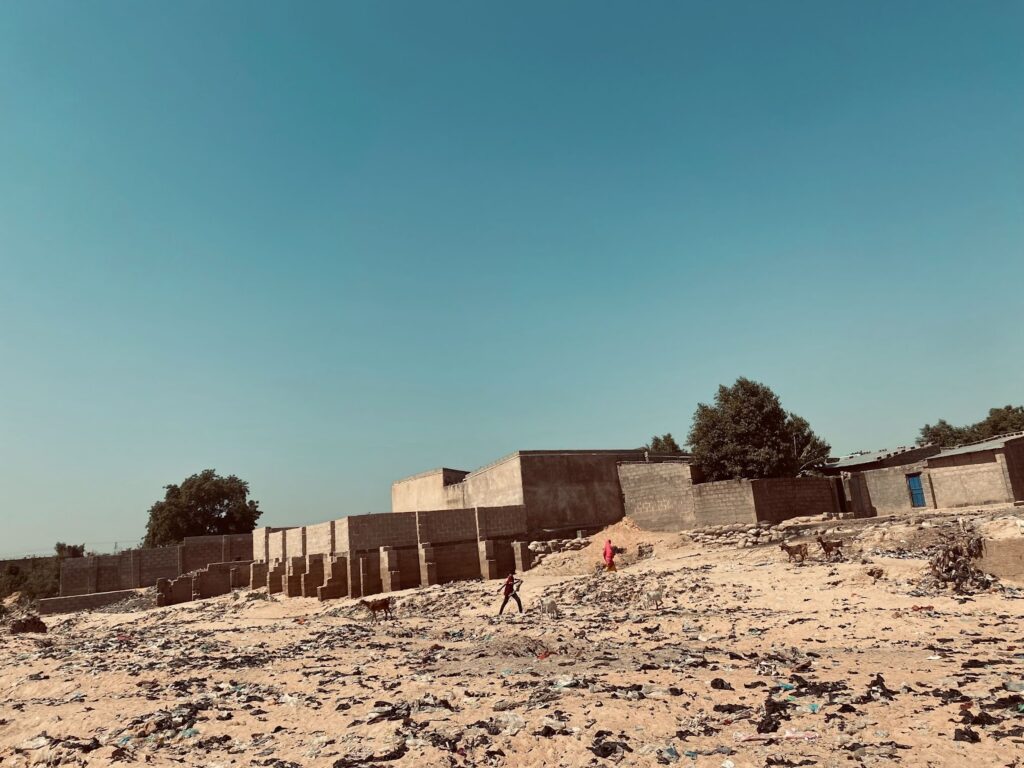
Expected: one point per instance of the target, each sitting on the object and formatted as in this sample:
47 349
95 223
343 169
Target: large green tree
747 433
204 504
1009 418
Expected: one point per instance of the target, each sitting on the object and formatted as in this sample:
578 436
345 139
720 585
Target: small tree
204 504
68 550
748 434
664 444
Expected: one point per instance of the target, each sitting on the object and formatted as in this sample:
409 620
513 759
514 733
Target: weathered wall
135 568
782 498
500 522
970 478
569 490
370 532
445 525
724 502
276 546
1004 558
887 490
295 542
658 497
1014 455
437 489
320 538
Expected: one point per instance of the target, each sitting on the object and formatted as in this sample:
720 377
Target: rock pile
738 534
30 623
542 549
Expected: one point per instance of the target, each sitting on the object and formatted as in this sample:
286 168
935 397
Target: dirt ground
750 661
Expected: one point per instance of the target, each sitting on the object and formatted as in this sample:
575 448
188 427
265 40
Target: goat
550 609
378 606
831 547
654 598
794 550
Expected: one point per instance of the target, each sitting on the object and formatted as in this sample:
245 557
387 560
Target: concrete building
562 491
985 472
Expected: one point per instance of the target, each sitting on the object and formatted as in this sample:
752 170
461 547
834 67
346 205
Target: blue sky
323 246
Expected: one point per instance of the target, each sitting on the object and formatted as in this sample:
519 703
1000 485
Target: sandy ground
832 667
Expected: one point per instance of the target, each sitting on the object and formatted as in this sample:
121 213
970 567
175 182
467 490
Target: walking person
609 555
510 588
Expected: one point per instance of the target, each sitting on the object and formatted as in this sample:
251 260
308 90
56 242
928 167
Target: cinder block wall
888 492
77 576
320 539
1013 455
371 532
566 491
446 525
658 497
724 503
295 543
782 498
500 522
970 478
275 546
157 564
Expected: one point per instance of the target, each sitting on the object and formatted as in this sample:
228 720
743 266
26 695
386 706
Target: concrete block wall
885 491
970 478
295 542
1013 454
276 545
320 539
446 525
500 522
724 503
658 496
370 532
77 576
782 498
174 591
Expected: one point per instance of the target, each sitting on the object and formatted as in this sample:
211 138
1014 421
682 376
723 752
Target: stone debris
747 660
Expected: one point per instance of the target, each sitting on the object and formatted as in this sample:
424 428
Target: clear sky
326 245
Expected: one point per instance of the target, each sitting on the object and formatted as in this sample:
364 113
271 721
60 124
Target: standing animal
794 551
378 606
654 598
550 609
831 547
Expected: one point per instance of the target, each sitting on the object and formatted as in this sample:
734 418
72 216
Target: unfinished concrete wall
1013 454
564 491
276 547
436 489
1004 558
725 502
658 497
370 532
887 491
500 522
781 498
320 538
970 478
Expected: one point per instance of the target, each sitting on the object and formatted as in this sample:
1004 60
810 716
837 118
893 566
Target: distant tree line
1009 418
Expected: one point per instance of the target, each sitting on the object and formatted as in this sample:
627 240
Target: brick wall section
77 576
370 532
320 539
724 502
1014 453
887 490
658 497
275 546
295 542
970 478
83 602
782 498
446 525
1004 558
157 564
500 522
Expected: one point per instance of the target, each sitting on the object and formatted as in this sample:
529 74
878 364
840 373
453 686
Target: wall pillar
313 578
390 573
488 560
335 579
523 555
369 573
428 566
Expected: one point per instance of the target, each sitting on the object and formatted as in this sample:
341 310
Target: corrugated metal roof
982 445
869 456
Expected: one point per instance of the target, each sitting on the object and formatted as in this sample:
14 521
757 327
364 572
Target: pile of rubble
542 549
738 534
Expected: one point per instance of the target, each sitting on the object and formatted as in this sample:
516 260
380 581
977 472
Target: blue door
916 490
